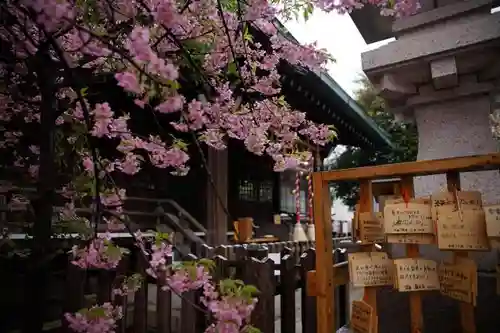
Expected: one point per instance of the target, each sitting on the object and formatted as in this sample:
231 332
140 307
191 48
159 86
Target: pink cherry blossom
128 81
192 63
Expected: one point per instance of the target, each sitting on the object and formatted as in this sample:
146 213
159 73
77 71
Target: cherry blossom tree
199 63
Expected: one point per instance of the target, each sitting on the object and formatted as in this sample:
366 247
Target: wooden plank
260 273
216 196
324 255
366 205
467 317
340 278
122 300
163 304
141 296
308 303
311 284
419 168
412 251
288 282
340 274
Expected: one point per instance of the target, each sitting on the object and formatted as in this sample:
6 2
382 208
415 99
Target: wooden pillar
412 251
318 161
324 256
217 219
365 206
276 192
467 316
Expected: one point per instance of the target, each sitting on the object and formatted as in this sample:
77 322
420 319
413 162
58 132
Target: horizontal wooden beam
419 168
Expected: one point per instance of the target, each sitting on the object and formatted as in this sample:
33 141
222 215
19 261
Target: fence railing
281 278
295 312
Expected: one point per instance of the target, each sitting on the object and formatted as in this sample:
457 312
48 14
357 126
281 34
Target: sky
339 36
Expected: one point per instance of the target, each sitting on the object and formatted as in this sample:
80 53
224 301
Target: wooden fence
283 304
251 266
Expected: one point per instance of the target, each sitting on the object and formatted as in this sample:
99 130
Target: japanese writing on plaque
370 228
370 269
408 218
457 281
362 317
462 230
411 239
467 200
416 274
492 215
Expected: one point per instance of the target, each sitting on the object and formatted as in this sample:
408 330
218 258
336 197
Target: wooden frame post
324 256
412 251
466 310
366 206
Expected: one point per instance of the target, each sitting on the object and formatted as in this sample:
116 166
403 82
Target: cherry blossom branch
183 115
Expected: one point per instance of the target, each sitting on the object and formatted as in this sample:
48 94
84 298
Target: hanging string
457 201
297 197
310 187
406 196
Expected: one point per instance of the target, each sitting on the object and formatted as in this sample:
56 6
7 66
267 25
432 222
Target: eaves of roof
355 112
350 108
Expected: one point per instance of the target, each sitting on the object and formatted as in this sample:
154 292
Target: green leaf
207 263
173 84
232 69
192 272
182 145
114 252
281 100
248 291
251 329
247 36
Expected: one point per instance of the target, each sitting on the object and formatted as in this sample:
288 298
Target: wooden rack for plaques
323 276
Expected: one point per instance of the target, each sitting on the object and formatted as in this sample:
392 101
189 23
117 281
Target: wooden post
366 205
412 251
466 309
260 273
217 219
324 255
288 281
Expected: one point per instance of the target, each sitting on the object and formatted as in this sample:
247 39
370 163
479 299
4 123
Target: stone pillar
441 73
457 128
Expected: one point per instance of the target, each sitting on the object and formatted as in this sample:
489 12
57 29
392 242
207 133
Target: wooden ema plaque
459 280
384 199
370 228
466 199
370 269
416 274
363 320
492 216
409 223
461 229
411 239
413 217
